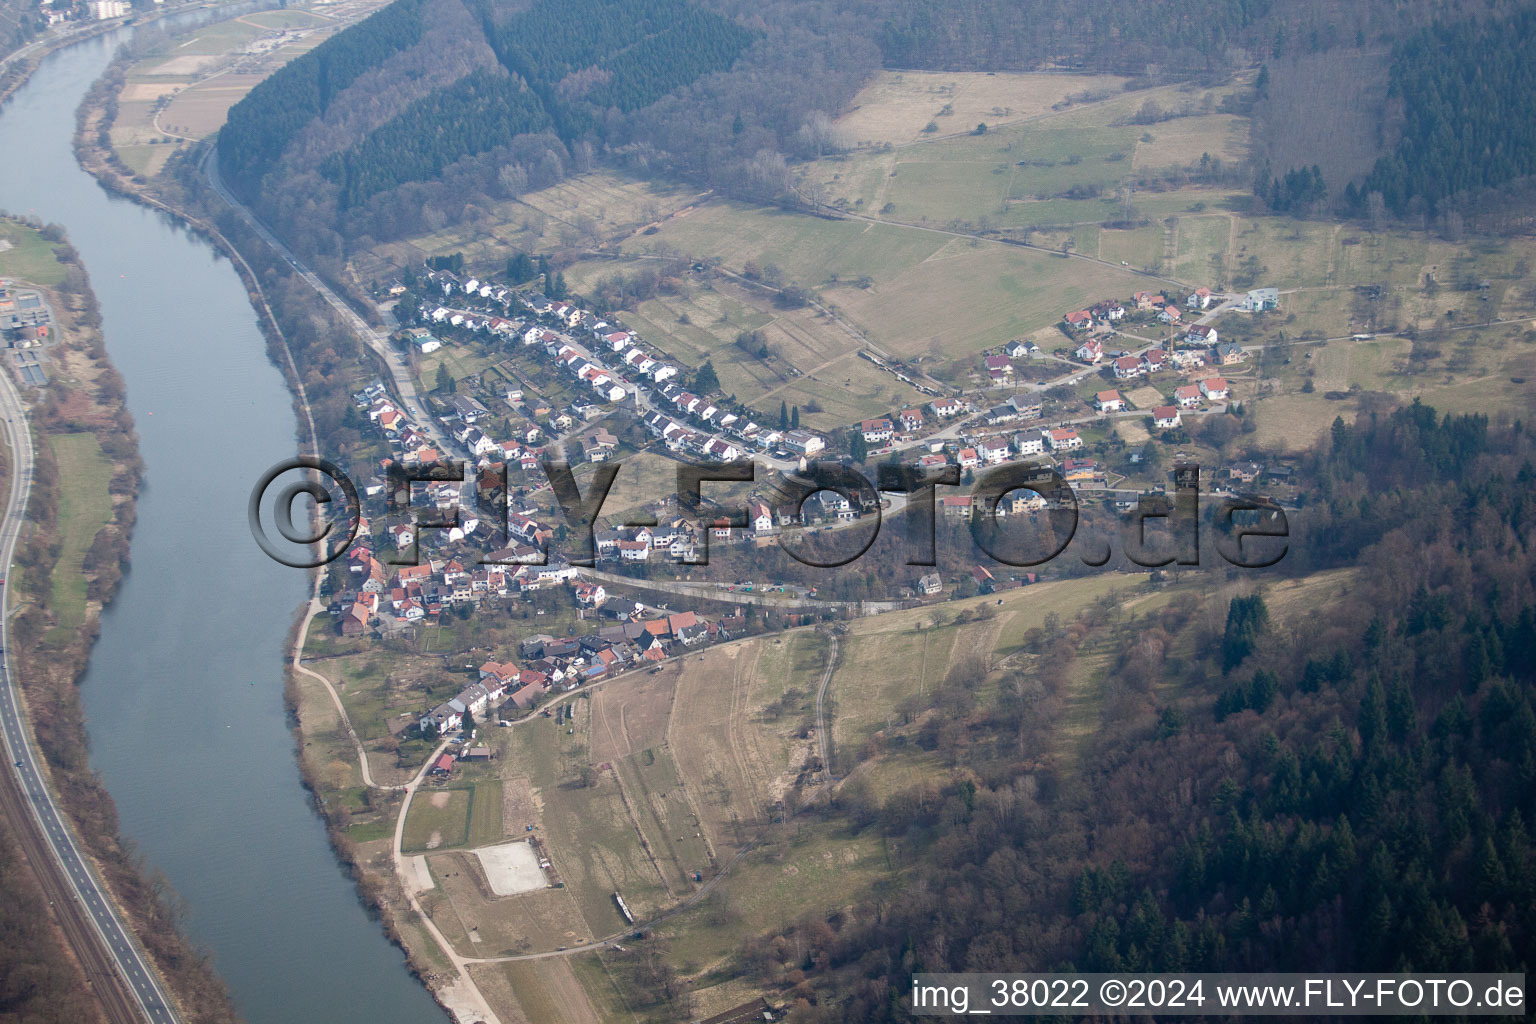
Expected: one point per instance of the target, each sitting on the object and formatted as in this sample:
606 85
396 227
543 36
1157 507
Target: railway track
101 975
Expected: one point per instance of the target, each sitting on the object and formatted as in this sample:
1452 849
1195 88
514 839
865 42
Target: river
183 699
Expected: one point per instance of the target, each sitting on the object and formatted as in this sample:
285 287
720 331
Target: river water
183 699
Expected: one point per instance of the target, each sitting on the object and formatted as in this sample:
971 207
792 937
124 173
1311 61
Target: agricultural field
811 251
897 105
1019 171
540 990
651 780
1142 247
588 211
437 818
1200 249
1184 140
972 296
734 725
180 90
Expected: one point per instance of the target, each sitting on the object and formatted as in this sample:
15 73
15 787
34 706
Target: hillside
432 110
1323 772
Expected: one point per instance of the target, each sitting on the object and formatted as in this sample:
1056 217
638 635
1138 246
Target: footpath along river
183 699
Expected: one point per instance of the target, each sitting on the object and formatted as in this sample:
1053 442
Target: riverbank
69 563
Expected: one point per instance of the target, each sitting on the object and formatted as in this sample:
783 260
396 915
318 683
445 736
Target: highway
119 974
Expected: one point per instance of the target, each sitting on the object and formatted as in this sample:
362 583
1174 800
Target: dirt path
346 723
821 711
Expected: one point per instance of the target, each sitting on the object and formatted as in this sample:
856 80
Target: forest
1347 790
1468 95
262 124
478 112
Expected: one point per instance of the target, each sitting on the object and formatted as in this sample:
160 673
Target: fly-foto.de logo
1021 514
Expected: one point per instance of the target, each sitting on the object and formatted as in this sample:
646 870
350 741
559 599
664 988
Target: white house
1126 367
762 517
1109 401
803 442
877 431
1166 417
1029 444
994 451
1064 439
1214 388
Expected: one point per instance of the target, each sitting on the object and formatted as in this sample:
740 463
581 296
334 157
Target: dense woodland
1352 789
480 111
1468 96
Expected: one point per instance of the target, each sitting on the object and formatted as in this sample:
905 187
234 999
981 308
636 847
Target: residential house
1188 396
804 443
1079 320
1090 351
1202 334
1200 298
910 419
1214 388
1080 470
1228 353
1166 417
877 431
1154 360
1029 444
956 506
761 516
1109 401
1027 406
1064 439
1244 472
944 408
1260 299
468 409
998 366
1016 349
1126 367
994 450
930 584
1107 311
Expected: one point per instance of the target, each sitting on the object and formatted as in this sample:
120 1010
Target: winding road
117 970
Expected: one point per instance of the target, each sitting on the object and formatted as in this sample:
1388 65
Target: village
611 384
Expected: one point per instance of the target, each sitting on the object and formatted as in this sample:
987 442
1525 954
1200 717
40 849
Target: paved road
131 991
405 384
